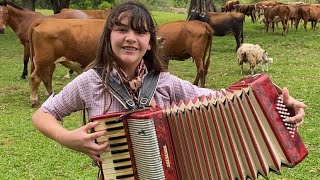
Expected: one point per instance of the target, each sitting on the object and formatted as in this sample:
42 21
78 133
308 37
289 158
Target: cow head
4 15
193 15
161 41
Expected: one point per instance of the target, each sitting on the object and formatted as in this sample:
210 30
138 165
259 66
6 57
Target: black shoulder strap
148 88
146 93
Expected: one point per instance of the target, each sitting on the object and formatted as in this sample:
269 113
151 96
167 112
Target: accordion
236 134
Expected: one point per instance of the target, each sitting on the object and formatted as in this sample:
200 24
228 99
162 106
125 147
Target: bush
104 5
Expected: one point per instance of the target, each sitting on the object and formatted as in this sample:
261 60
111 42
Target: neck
130 69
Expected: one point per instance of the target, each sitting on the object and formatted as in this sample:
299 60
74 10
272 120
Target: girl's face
129 45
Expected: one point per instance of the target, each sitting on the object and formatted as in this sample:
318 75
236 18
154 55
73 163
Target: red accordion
237 134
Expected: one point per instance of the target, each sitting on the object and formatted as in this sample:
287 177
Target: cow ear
162 40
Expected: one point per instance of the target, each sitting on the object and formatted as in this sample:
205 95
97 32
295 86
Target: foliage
84 4
104 5
27 154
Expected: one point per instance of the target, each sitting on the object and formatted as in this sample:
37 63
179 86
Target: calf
229 6
223 23
247 9
184 39
71 42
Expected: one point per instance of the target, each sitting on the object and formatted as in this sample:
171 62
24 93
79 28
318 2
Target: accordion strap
120 92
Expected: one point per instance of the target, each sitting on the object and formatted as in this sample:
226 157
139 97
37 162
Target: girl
126 54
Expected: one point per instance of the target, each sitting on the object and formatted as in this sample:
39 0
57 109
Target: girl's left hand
296 105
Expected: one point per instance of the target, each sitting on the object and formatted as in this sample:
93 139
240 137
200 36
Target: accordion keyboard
116 162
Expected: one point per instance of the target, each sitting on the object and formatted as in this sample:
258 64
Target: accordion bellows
236 134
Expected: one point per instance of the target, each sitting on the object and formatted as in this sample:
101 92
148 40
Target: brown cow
308 13
261 4
222 23
75 40
280 10
247 9
229 6
20 19
181 40
94 14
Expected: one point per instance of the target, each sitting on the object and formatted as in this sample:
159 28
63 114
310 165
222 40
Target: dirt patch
8 90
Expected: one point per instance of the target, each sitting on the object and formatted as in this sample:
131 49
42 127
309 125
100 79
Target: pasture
27 154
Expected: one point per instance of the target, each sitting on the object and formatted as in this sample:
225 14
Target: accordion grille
145 149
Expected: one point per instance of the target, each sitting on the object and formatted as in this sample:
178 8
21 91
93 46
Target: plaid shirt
87 91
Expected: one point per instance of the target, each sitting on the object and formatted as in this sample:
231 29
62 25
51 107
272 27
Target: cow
20 19
229 6
261 4
181 40
280 10
222 23
308 13
94 14
247 9
71 42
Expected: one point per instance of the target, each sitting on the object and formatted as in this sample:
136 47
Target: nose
130 36
1 30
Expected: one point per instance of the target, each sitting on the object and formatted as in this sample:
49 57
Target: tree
202 6
57 5
29 4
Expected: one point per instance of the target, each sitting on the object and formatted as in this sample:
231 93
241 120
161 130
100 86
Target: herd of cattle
59 38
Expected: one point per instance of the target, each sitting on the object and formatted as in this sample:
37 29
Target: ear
149 47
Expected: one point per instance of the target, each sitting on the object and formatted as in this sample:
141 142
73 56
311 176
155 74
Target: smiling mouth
130 48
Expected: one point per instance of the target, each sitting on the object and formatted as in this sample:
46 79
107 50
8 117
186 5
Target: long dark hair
139 19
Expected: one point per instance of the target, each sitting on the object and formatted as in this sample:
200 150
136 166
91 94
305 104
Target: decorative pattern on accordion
237 134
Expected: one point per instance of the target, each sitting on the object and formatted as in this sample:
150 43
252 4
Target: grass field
27 154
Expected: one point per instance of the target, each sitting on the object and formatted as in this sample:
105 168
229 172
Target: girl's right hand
80 140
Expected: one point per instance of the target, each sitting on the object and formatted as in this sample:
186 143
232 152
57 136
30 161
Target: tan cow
181 40
20 19
73 39
94 14
308 13
229 6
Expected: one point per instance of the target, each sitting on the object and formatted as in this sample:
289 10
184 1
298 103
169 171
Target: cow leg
272 26
200 70
34 84
267 25
305 24
26 55
239 39
47 79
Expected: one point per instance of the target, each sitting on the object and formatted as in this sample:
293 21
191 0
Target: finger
286 97
94 148
297 118
90 125
98 134
300 104
95 157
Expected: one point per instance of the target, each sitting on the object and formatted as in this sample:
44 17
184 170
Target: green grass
27 154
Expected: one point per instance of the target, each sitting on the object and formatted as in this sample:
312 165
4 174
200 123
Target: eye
120 29
142 32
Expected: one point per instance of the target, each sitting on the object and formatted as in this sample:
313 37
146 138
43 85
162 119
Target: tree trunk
29 4
57 5
201 6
